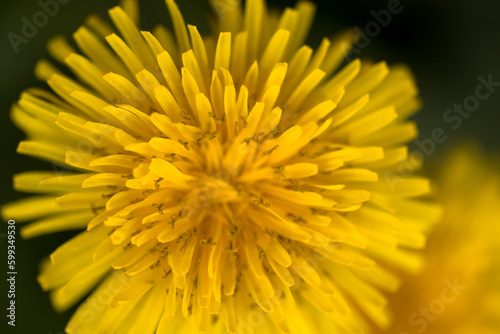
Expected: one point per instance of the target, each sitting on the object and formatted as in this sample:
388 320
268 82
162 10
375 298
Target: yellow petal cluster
236 182
459 291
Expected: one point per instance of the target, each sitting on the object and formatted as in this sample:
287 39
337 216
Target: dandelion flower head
459 291
234 182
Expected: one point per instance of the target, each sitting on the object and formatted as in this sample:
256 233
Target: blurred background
448 45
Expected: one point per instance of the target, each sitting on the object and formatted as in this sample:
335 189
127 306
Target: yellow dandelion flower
459 291
239 180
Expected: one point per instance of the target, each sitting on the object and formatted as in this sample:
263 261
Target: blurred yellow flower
235 180
459 291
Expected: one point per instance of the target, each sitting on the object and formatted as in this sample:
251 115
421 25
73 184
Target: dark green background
448 44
